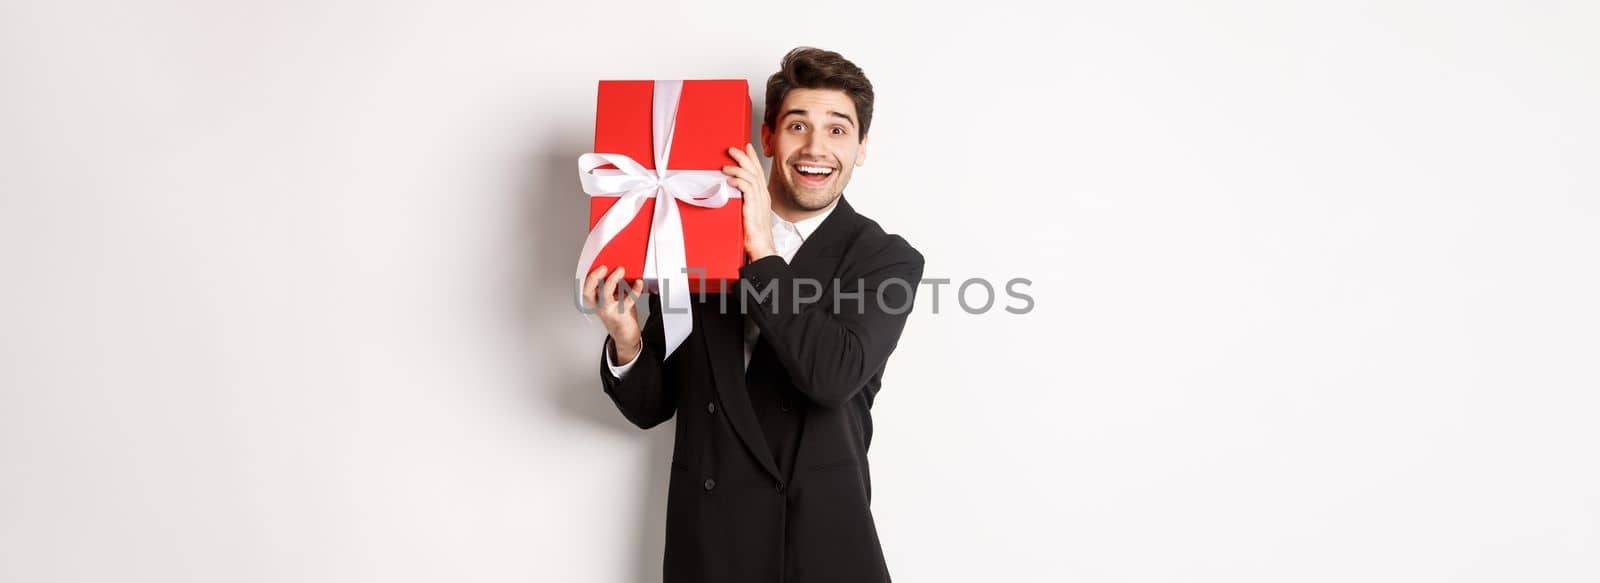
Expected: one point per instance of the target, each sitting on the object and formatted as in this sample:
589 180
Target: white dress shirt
786 238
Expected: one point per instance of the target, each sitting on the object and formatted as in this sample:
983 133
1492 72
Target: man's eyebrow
830 112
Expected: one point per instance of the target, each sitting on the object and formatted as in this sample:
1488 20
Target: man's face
814 146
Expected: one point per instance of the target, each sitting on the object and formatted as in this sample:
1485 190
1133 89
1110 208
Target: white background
285 288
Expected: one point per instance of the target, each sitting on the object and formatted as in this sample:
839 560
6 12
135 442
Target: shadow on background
555 220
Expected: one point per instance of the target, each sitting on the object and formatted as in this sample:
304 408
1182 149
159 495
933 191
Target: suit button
710 483
780 487
784 407
711 408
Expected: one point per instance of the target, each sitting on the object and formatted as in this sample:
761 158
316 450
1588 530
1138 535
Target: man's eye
797 126
838 131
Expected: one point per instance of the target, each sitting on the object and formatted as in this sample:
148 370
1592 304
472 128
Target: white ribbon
665 261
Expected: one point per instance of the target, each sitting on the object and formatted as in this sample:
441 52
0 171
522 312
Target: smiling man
773 392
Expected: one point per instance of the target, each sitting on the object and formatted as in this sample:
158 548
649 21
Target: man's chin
812 201
818 203
805 199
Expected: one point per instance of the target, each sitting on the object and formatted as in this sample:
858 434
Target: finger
590 282
740 183
754 159
628 300
608 295
744 159
739 172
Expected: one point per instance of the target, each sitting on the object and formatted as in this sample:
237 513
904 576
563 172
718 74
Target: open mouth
812 175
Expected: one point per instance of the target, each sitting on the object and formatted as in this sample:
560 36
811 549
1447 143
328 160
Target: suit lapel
725 348
817 259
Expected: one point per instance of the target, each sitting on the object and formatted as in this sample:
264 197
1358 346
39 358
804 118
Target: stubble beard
787 192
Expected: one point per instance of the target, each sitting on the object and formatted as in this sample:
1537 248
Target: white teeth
814 170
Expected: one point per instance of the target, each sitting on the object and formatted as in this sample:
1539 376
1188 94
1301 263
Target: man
773 390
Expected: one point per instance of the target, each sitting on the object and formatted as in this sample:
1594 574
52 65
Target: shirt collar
806 226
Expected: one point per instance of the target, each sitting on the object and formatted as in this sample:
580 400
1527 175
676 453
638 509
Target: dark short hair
813 68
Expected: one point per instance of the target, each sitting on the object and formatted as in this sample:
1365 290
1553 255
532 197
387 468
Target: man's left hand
748 178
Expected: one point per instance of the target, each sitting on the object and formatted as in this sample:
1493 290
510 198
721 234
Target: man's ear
766 141
861 152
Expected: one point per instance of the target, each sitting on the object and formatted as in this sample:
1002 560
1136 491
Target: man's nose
812 145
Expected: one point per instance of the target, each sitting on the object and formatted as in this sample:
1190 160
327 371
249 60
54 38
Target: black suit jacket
733 514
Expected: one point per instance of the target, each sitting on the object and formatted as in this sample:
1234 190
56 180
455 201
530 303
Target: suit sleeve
648 393
611 365
832 354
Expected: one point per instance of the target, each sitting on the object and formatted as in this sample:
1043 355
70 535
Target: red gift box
713 115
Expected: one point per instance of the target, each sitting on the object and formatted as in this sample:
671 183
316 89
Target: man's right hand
619 317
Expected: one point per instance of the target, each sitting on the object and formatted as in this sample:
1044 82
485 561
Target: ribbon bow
665 262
